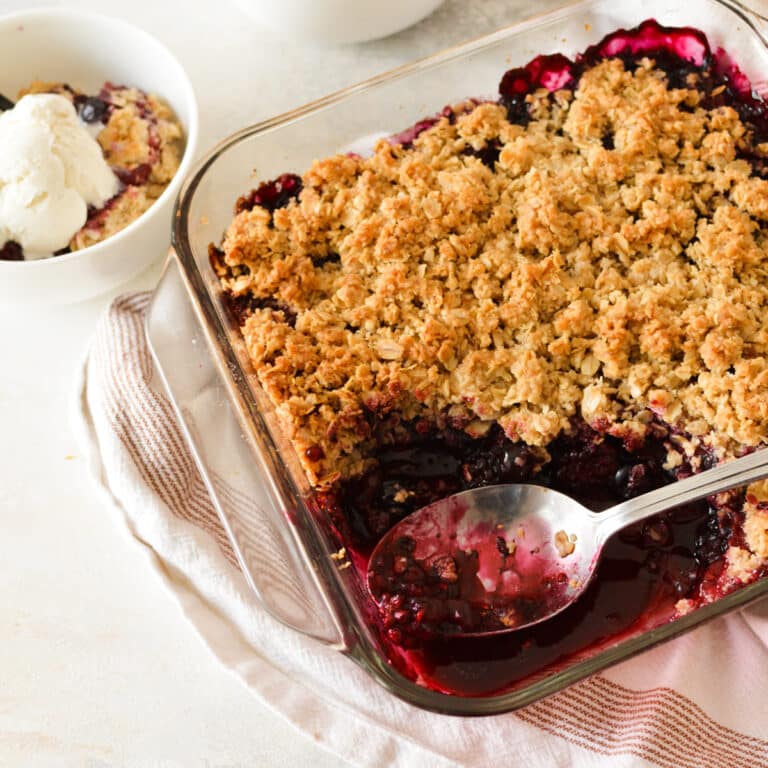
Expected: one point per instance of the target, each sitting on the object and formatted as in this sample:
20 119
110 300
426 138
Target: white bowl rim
191 131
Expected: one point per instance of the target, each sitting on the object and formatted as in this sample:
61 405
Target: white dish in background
86 50
337 21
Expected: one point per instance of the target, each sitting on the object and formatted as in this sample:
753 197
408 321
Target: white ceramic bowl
337 21
86 50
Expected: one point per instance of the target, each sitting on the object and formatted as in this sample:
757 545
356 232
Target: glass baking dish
251 471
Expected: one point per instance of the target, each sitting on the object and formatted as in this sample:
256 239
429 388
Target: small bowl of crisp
98 127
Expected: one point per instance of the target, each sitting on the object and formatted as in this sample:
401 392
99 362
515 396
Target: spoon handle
733 474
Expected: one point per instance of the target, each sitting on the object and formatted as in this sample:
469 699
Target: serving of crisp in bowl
98 125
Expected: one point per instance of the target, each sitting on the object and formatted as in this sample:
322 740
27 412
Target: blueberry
488 154
92 109
632 480
136 176
5 103
11 251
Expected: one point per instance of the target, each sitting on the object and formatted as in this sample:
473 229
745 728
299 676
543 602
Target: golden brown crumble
339 555
127 139
742 564
573 279
564 544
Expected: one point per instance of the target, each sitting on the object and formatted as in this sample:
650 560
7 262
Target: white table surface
97 665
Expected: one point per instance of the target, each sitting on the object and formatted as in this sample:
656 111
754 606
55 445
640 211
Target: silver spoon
504 557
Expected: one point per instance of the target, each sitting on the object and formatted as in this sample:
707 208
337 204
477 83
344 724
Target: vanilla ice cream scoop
51 170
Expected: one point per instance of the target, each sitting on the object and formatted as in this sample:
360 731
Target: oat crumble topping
578 277
564 544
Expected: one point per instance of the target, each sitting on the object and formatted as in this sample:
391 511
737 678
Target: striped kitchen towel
696 702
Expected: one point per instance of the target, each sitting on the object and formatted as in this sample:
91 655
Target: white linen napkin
699 700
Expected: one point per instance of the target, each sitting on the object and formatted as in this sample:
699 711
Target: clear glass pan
251 471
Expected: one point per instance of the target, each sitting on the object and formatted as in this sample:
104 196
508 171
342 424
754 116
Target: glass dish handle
260 533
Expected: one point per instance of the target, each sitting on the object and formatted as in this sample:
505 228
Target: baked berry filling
271 195
596 469
11 251
646 569
403 459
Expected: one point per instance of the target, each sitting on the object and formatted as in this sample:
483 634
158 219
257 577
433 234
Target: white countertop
98 666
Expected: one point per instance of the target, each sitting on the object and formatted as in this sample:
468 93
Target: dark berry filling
271 194
488 154
11 251
645 569
681 45
329 258
92 109
136 176
442 595
551 72
420 469
682 53
242 307
406 138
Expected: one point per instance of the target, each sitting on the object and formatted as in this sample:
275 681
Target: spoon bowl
512 569
500 558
